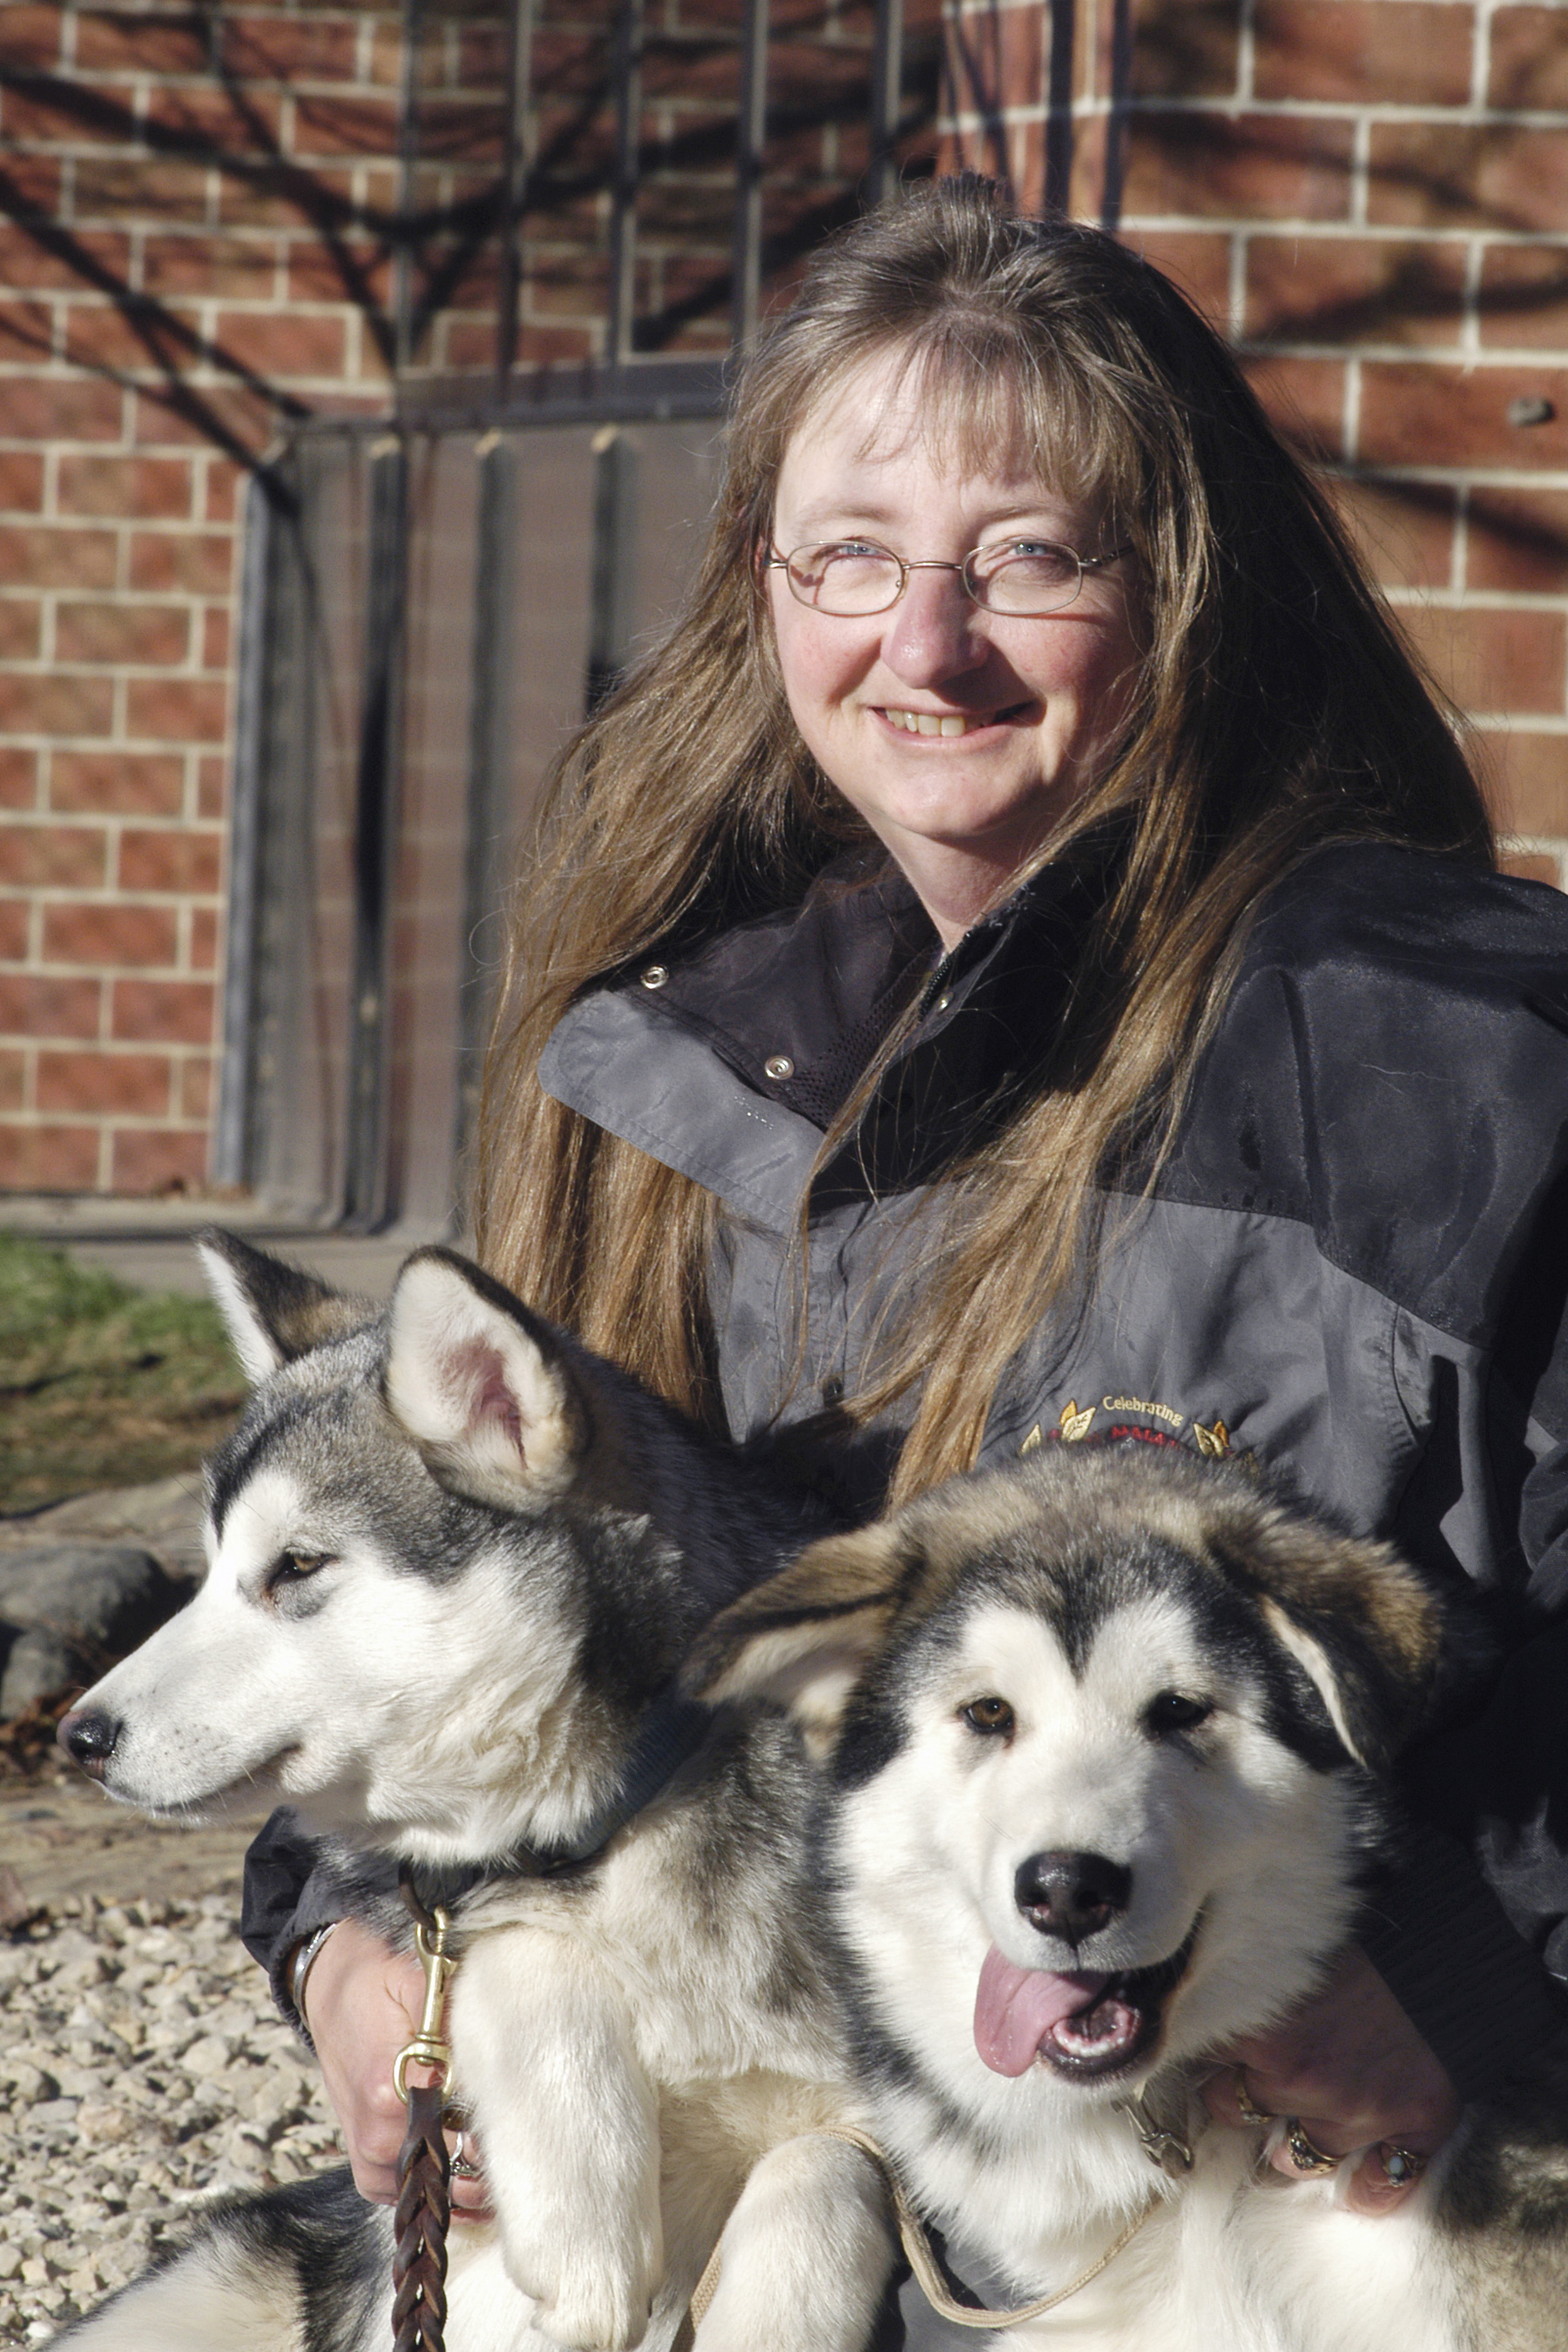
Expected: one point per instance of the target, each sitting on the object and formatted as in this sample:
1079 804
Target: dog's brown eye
292 1567
1173 1711
992 1716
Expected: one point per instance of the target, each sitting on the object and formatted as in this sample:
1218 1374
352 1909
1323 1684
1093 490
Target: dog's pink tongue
1016 2008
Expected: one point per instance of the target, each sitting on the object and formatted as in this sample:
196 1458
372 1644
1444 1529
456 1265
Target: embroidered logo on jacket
1116 1419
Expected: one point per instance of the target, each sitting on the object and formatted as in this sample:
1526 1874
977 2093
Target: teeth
932 722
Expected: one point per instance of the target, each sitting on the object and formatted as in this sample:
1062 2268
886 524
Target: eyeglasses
1023 579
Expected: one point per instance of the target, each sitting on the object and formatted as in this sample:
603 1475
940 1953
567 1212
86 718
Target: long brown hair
1278 710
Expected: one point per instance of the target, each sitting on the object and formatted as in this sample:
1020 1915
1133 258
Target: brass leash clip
429 2046
1163 2146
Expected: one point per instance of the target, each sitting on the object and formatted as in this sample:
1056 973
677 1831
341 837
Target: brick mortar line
132 975
1378 112
1301 228
1456 354
190 306
1509 604
1483 477
1361 172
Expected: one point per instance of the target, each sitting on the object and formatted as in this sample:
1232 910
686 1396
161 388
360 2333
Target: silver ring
463 2167
1313 2162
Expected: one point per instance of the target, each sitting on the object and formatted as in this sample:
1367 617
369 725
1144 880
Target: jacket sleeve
1472 1937
291 1888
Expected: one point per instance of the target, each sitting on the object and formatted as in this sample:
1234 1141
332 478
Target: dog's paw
586 2304
804 2254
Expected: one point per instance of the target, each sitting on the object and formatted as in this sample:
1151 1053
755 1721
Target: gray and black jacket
1353 1265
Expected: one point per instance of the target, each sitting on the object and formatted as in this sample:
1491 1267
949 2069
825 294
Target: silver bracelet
302 1961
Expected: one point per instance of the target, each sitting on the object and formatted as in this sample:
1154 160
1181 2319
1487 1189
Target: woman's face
1032 707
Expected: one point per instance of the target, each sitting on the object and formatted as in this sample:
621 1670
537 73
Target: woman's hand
362 2005
1352 2070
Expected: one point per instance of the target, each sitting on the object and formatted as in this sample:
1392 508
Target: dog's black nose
1071 1895
89 1738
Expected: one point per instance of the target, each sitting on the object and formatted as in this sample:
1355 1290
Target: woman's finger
1388 2173
468 2189
1232 2099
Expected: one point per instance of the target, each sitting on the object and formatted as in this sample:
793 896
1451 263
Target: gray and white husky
1109 1739
455 1559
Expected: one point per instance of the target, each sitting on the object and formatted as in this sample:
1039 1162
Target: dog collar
669 1735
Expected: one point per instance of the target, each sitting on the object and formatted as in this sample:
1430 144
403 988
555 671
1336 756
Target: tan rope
922 2262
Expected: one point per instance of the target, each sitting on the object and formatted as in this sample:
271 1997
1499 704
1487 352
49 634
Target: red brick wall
196 251
1371 197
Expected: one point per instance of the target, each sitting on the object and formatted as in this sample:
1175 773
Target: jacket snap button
779 1065
656 975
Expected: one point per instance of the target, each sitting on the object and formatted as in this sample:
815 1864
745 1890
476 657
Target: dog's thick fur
1099 1714
453 1556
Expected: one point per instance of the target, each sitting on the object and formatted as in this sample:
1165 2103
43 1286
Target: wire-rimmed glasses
1022 579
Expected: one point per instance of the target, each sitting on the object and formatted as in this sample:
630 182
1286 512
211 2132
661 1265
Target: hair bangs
999 403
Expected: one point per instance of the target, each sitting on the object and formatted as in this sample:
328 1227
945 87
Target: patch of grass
101 1385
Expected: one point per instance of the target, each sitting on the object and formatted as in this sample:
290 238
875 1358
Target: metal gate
430 605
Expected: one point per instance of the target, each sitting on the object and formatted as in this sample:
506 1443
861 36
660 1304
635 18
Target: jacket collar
796 1002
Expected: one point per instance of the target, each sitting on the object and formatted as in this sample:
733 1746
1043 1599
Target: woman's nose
934 630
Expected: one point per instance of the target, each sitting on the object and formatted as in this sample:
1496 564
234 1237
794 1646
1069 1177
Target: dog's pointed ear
1358 1620
273 1311
805 1637
481 1385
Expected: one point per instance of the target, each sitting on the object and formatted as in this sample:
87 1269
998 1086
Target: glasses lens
848 576
1024 577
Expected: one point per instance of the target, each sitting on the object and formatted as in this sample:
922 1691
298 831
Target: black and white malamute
1108 1740
455 1560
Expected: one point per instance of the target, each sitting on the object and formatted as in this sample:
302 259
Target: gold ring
1243 2099
1402 2166
1311 2162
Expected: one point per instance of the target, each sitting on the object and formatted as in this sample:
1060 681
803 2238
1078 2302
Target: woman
1022 963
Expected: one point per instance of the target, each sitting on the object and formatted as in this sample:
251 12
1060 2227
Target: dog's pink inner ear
484 1396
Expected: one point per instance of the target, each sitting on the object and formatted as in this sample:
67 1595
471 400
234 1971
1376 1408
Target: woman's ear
805 1637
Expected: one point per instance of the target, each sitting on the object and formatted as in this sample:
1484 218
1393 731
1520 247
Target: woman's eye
1173 1711
1041 558
993 1716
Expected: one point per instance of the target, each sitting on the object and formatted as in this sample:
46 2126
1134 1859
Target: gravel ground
142 2073
143 2069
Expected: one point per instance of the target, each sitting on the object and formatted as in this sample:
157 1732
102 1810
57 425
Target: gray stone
71 1609
163 1517
37 1665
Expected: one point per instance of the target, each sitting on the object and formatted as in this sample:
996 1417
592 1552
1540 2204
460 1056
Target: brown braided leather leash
424 2209
423 2169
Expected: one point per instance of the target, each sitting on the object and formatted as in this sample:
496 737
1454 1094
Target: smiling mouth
1086 2025
947 722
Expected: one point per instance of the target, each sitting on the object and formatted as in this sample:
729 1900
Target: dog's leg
306 2265
569 2129
805 2255
205 2301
